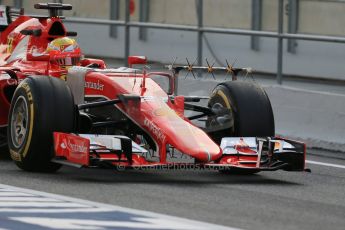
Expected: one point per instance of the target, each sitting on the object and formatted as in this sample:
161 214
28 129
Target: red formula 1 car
60 108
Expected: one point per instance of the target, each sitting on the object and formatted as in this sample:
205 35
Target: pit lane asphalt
268 200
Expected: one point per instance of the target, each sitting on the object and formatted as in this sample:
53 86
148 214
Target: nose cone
203 151
167 127
191 140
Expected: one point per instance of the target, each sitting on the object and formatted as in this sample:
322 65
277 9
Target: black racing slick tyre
40 106
242 109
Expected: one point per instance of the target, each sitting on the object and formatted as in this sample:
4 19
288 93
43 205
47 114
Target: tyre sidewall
221 95
19 154
251 108
50 109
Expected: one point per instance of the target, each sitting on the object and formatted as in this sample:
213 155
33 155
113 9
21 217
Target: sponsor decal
9 44
154 129
77 147
74 148
94 85
63 145
184 131
165 112
63 47
243 147
27 89
153 98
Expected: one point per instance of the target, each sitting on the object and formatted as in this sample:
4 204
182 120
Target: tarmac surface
268 200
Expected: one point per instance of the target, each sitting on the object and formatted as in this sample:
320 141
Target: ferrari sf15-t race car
59 108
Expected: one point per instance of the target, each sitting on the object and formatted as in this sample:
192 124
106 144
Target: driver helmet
65 52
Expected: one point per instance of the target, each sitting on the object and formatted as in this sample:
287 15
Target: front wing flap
90 150
263 154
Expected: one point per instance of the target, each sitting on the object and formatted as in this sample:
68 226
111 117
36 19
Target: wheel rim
19 122
223 117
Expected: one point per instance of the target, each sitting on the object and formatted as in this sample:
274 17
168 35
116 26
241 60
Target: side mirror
134 60
36 32
164 80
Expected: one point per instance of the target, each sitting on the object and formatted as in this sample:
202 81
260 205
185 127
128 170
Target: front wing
248 153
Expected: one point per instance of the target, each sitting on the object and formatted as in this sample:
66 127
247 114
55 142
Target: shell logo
165 112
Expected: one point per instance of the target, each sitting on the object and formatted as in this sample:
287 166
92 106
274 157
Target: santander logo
77 147
63 145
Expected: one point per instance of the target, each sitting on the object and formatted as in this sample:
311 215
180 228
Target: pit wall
315 59
325 17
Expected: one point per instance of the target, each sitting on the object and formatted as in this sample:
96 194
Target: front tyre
242 109
40 106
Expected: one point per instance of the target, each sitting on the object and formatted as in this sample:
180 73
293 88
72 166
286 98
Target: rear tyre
40 106
242 109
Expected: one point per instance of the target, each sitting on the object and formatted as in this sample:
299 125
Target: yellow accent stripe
28 142
222 95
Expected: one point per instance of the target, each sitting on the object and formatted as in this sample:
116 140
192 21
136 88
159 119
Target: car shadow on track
151 177
4 155
185 178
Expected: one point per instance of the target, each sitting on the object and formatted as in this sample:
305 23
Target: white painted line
90 215
325 164
305 90
27 199
15 194
6 190
41 205
50 210
136 223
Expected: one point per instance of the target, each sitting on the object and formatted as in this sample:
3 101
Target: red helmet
64 52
